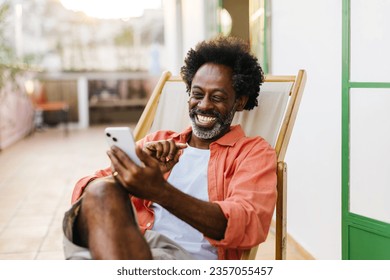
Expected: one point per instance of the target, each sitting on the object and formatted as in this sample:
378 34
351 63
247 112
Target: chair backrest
273 119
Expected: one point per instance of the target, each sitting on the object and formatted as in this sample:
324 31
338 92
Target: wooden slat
281 212
175 79
290 115
277 79
146 119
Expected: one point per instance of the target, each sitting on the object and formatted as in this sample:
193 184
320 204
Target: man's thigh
162 248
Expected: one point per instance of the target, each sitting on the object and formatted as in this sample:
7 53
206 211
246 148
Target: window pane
370 153
370 41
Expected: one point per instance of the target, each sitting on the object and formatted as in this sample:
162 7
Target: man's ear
241 102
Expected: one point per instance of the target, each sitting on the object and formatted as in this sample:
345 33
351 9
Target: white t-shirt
190 176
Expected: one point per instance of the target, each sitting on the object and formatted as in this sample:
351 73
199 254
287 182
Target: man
206 193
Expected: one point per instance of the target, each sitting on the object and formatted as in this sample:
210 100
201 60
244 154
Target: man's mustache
212 113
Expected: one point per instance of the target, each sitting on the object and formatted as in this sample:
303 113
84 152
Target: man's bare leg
106 224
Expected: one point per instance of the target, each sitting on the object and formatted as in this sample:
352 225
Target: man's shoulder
257 142
243 139
237 139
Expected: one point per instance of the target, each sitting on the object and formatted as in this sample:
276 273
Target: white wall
194 23
172 55
307 34
185 26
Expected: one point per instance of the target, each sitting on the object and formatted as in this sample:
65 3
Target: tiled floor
37 175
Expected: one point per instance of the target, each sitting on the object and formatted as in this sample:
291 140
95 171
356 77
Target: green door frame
354 224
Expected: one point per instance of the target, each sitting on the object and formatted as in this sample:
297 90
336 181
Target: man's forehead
211 72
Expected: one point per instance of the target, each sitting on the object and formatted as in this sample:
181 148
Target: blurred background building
105 68
48 33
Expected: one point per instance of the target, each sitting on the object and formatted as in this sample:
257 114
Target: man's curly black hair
232 52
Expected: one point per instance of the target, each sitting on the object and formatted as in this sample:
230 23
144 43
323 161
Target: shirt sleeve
250 200
83 182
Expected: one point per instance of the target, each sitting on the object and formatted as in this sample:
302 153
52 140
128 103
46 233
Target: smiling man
207 192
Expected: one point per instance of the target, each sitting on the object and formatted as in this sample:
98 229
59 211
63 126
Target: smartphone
122 137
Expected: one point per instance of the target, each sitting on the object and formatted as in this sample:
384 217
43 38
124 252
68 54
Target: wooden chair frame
146 120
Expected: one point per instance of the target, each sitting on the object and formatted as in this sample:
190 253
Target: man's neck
199 143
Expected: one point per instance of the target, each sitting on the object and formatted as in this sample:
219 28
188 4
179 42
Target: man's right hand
167 152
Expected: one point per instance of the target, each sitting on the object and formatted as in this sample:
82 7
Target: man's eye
217 98
197 95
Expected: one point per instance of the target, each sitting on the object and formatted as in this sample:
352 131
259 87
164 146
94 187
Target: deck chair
273 119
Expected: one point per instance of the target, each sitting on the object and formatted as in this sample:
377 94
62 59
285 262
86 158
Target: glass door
366 130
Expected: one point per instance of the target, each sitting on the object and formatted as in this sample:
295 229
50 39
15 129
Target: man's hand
143 182
167 153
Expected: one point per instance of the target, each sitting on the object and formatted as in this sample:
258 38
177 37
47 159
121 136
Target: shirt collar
229 139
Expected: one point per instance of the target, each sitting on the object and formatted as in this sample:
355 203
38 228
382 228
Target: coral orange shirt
241 180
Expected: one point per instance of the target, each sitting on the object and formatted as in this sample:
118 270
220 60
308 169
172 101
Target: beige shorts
162 248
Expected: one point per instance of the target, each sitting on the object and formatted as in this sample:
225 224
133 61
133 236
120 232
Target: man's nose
204 104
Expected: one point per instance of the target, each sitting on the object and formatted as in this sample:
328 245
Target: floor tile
25 244
53 240
30 221
17 256
266 250
20 232
55 255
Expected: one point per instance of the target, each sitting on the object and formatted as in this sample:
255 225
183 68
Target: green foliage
7 55
10 66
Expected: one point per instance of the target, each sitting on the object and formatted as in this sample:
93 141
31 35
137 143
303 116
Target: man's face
212 102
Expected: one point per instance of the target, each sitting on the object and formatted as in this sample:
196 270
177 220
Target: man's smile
206 121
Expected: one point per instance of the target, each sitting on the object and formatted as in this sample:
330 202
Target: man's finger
172 150
176 158
145 158
121 160
181 145
165 150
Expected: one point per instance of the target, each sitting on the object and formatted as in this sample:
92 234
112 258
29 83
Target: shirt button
148 224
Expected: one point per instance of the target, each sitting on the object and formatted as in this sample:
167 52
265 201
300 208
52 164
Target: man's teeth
204 119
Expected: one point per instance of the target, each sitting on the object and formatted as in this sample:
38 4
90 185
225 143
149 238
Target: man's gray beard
216 130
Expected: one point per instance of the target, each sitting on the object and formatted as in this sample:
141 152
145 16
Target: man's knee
102 198
103 191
